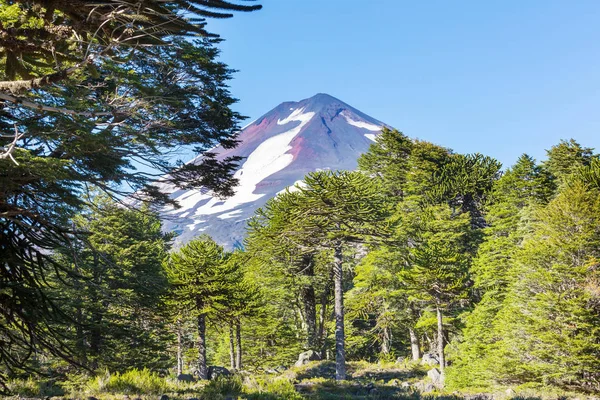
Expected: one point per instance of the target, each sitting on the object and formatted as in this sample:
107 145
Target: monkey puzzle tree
331 211
202 281
437 261
97 95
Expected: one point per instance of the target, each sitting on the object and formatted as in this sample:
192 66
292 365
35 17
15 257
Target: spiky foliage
331 211
547 330
46 41
115 293
203 283
565 158
176 97
465 182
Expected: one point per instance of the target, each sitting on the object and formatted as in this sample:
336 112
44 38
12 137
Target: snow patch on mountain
293 188
370 136
362 124
268 158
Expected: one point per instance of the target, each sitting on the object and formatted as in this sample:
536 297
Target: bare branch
8 150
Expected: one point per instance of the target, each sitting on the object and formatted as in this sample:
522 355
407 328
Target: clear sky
497 77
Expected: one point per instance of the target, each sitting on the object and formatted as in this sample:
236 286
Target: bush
131 382
222 387
34 388
271 389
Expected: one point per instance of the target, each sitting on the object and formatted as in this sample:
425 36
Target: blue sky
498 77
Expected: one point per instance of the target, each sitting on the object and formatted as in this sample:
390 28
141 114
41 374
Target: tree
47 42
566 158
94 102
388 160
202 280
243 302
520 189
295 259
378 298
465 182
117 288
547 330
437 261
333 210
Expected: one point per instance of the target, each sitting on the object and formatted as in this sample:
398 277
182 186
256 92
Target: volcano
279 149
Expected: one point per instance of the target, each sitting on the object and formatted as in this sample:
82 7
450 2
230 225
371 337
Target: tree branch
11 147
40 107
18 86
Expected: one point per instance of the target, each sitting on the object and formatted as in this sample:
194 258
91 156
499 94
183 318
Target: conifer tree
202 281
521 188
566 158
91 91
547 329
437 262
334 210
114 295
388 160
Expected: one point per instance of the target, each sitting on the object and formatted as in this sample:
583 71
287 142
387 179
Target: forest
423 271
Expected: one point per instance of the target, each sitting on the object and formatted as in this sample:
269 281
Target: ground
314 381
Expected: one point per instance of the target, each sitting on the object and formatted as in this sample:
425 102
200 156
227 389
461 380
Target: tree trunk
202 368
238 338
322 313
386 341
340 351
179 350
309 303
440 342
414 344
97 314
307 293
231 347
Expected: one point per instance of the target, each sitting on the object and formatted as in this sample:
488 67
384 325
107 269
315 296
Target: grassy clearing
314 381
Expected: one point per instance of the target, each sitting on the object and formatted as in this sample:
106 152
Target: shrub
221 387
271 389
34 388
134 381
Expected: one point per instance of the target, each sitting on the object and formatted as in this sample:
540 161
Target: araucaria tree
437 262
115 294
331 211
202 283
94 93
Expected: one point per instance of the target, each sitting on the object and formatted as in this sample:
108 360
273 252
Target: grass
314 381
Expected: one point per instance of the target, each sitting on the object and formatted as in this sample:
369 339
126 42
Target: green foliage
88 98
565 158
222 388
131 382
201 277
32 387
387 159
545 330
114 294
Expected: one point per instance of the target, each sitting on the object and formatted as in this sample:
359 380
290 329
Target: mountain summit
279 149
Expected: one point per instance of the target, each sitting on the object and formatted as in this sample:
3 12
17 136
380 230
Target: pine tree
566 158
57 158
388 160
114 295
331 211
334 210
